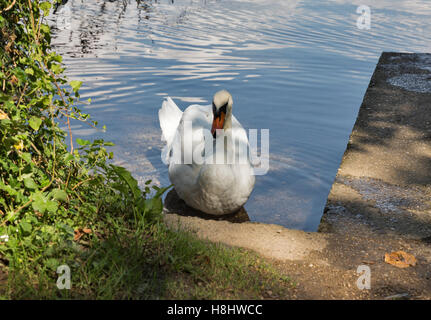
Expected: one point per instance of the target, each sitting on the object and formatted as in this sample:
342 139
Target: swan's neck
228 121
227 128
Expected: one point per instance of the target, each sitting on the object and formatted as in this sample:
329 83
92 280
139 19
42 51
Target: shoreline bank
379 202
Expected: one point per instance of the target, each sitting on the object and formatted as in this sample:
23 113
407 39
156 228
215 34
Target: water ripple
298 67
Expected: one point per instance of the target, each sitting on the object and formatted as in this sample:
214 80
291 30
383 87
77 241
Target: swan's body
209 185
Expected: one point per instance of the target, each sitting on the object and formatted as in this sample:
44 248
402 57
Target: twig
22 94
76 193
8 8
34 147
32 22
68 177
62 98
79 119
70 134
53 142
81 182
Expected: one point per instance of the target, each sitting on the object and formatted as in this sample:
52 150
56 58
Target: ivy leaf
35 123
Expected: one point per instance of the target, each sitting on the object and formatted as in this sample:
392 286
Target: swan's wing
238 132
169 117
190 134
200 117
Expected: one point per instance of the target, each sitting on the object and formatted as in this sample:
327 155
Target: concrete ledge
384 180
269 240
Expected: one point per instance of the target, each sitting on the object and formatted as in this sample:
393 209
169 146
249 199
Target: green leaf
39 202
25 228
56 57
82 142
29 183
131 182
11 216
153 209
68 157
156 205
45 6
75 84
44 28
29 71
26 156
48 229
35 123
52 263
51 206
20 75
56 68
58 194
11 191
66 228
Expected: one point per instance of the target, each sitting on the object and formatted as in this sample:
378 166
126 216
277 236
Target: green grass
156 263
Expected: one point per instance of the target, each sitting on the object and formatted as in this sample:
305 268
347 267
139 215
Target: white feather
169 117
212 188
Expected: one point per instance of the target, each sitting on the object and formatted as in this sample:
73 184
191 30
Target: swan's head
222 111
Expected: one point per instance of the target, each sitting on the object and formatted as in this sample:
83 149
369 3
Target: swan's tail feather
169 118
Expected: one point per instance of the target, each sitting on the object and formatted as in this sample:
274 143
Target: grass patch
156 263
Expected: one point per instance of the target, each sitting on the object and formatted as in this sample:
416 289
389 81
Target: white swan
206 183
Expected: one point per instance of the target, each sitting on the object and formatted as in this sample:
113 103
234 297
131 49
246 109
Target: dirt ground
380 201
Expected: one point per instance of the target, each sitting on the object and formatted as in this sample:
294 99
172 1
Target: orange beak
218 123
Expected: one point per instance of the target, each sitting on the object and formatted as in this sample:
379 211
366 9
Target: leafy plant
51 189
62 203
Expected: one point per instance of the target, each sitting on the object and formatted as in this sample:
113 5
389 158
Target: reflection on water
299 68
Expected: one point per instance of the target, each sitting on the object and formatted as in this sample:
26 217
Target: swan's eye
223 108
220 110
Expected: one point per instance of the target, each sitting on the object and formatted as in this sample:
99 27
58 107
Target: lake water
298 68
